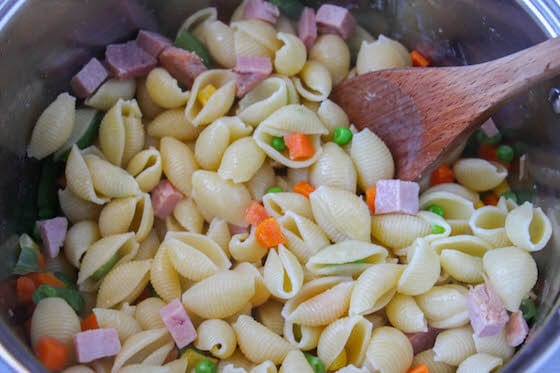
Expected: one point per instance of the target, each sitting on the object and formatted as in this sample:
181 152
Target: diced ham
253 64
307 27
96 343
152 42
178 323
486 310
489 128
245 82
516 329
423 341
128 60
236 229
183 65
262 10
396 196
333 19
53 233
164 198
89 78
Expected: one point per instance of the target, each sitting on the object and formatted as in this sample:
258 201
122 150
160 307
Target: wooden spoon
421 113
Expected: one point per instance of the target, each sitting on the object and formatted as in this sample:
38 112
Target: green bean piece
510 195
316 364
528 309
187 41
205 366
28 261
71 296
105 268
67 281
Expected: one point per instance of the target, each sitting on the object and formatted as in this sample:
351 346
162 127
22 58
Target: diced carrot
46 278
418 59
442 174
304 188
422 368
255 213
89 322
490 199
269 234
52 353
488 152
41 261
370 198
25 288
299 146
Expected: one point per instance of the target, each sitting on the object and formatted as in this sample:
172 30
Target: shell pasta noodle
223 215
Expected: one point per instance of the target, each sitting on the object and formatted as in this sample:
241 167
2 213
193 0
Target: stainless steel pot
42 43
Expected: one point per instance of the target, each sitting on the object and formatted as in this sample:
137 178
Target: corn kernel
478 204
205 93
502 188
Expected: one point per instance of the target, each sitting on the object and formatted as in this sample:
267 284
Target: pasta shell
220 295
346 258
220 198
427 358
270 315
146 167
488 223
261 181
374 288
121 132
197 23
164 90
445 306
372 159
178 164
344 342
283 274
320 302
110 180
124 283
147 313
78 239
291 57
131 214
284 121
495 345
220 44
187 215
163 276
264 99
422 271
147 105
314 81
334 168
173 123
333 116
279 204
245 247
405 315
332 51
479 174
454 188
341 214
138 348
79 179
75 208
216 336
218 231
458 210
110 92
124 323
261 292
254 38
462 267
258 343
304 238
470 245
398 231
55 318
241 160
483 363
513 273
452 346
218 104
389 351
53 127
295 361
176 366
528 227
384 53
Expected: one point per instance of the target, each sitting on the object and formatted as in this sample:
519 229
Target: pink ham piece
262 10
178 323
152 42
423 341
53 233
333 19
183 65
307 27
89 78
489 128
516 329
486 310
396 196
128 60
164 198
96 343
253 64
245 82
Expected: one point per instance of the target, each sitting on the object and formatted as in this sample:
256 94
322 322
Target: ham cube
423 341
183 65
178 323
307 27
245 82
489 128
261 10
152 42
516 329
486 310
96 343
253 64
53 233
333 19
396 196
128 60
89 78
164 198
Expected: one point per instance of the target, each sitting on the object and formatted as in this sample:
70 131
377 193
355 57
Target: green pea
275 189
504 153
316 364
342 136
436 209
510 195
482 138
205 366
278 144
528 309
437 229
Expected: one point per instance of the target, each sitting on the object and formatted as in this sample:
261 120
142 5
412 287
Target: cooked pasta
479 174
334 168
217 337
283 274
125 324
295 361
77 209
241 160
178 163
270 315
164 90
261 181
528 227
383 53
422 270
428 358
488 223
313 82
452 346
445 306
78 239
124 283
244 247
398 231
291 57
304 237
405 315
483 363
219 40
334 54
173 123
254 38
333 117
261 292
55 318
268 96
131 214
146 167
144 347
280 204
187 215
495 345
388 351
147 313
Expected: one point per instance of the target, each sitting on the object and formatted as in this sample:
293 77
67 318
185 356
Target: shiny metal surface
43 43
